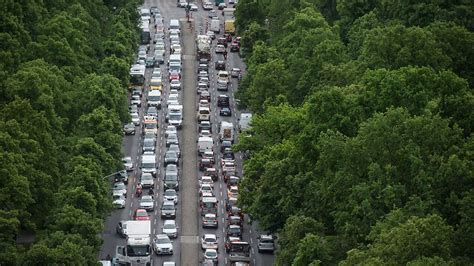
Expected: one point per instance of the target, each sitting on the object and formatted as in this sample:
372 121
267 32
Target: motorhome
154 98
175 115
137 74
226 131
205 144
138 248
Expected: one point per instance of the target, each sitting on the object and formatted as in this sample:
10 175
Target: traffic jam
157 113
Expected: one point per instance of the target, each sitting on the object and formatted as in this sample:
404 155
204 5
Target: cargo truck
226 131
203 46
229 20
138 248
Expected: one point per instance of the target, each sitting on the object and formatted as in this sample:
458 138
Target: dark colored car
220 65
222 41
121 176
223 101
234 47
225 111
129 129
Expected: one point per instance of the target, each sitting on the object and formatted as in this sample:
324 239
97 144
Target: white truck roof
136 228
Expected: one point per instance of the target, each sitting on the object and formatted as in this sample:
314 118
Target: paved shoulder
189 207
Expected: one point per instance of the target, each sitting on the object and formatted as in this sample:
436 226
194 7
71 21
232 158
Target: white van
205 144
148 164
204 114
175 115
223 76
226 131
244 121
154 98
174 25
215 26
175 59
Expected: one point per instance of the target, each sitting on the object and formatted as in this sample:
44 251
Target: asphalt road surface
187 249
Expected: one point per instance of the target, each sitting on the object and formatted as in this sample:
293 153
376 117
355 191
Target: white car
136 100
207 6
220 49
128 163
209 241
147 202
205 133
119 188
193 7
174 92
175 84
135 119
211 34
206 180
147 180
171 195
210 254
206 188
182 3
118 201
173 100
170 130
170 228
174 147
162 245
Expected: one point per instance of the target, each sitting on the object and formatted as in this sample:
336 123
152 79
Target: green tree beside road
362 126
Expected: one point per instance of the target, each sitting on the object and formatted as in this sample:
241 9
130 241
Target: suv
168 210
220 65
223 101
266 243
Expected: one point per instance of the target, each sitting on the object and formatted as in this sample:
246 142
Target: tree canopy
360 150
62 104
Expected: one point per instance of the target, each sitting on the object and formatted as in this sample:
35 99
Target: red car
234 47
174 75
141 215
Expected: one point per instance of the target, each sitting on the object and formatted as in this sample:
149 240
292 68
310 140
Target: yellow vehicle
150 125
229 20
155 84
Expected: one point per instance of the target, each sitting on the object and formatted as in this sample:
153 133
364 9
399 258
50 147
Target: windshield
170 193
148 165
175 117
163 241
171 177
147 177
209 205
234 247
150 126
119 186
169 226
154 98
138 251
168 207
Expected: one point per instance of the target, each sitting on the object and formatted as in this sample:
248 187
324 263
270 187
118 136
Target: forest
361 149
63 78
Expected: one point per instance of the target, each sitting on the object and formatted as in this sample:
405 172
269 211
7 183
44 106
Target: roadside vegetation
361 148
63 78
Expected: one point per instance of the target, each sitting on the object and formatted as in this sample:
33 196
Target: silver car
147 202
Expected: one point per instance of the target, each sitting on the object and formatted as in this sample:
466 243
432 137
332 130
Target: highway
187 248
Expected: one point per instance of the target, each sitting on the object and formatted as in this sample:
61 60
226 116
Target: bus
137 74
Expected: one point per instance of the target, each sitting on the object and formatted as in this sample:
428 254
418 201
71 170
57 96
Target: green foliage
62 104
362 122
413 241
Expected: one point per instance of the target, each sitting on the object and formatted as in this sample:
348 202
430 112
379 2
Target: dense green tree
397 46
312 250
254 33
415 239
294 232
96 91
